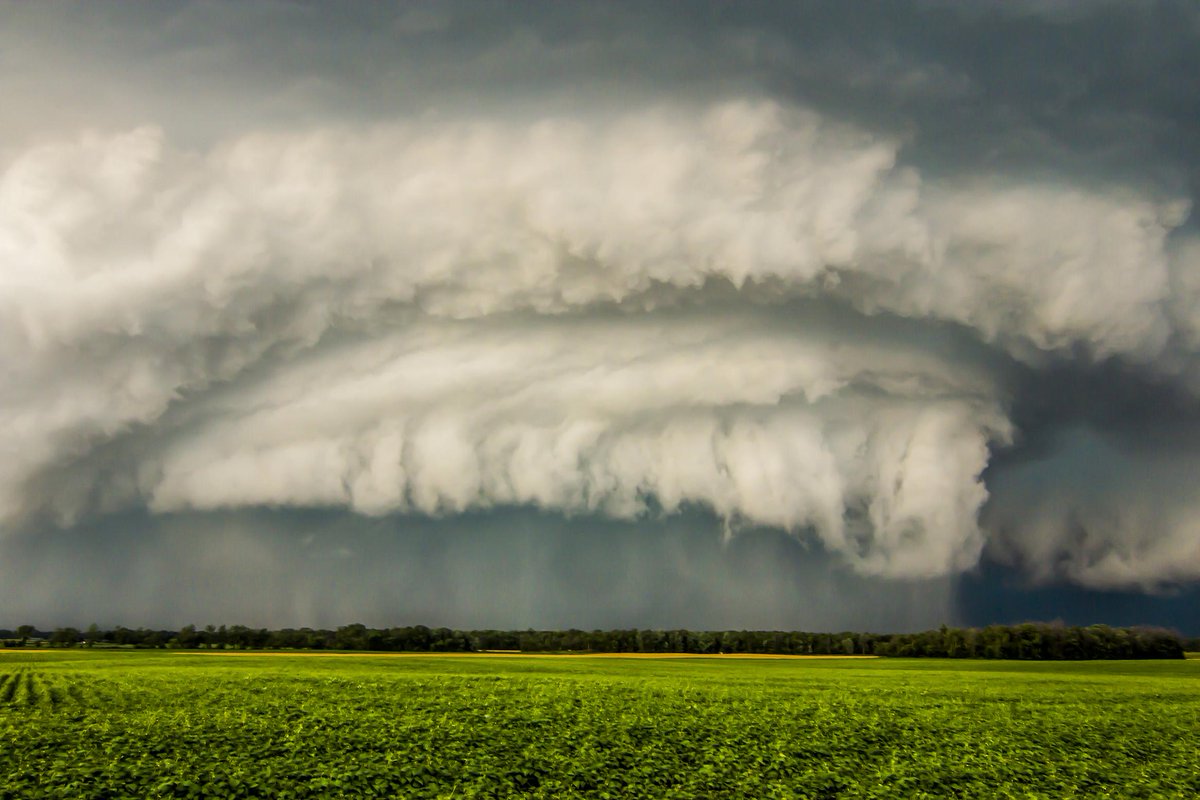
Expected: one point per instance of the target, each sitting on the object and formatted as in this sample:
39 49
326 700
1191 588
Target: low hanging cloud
746 306
1101 512
782 315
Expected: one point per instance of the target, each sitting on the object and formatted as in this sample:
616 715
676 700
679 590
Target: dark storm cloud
916 283
512 569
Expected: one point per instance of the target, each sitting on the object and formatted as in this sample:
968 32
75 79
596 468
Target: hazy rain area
757 315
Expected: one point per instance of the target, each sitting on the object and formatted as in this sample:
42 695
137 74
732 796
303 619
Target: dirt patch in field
734 656
506 654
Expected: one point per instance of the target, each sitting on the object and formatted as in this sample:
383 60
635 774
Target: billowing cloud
781 309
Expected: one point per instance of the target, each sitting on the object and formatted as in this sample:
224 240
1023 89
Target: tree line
1029 641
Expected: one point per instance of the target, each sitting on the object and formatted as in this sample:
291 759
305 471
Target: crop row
506 729
30 689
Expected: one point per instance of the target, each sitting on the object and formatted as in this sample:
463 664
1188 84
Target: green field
140 724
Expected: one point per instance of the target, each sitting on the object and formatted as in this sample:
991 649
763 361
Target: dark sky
755 315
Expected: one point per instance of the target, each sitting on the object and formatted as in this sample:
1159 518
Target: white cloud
1103 514
441 316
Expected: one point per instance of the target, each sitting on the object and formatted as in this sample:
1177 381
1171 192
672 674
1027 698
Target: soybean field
157 724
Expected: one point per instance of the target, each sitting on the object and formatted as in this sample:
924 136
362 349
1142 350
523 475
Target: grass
162 724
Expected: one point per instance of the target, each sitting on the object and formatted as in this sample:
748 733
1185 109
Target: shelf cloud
827 287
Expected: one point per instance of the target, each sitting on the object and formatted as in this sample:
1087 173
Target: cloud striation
759 306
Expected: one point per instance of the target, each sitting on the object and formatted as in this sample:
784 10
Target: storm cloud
837 282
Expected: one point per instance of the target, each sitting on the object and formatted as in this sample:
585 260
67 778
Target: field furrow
8 685
154 726
23 692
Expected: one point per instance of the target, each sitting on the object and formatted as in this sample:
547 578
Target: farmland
75 723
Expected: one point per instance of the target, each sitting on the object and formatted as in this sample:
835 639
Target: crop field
150 724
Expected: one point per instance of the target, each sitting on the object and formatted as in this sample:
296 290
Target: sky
813 316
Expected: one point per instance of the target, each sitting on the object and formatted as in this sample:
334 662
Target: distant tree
154 638
65 637
648 641
1030 640
530 642
241 637
188 637
352 637
953 642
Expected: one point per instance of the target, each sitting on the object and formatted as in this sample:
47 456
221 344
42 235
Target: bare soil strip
487 654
